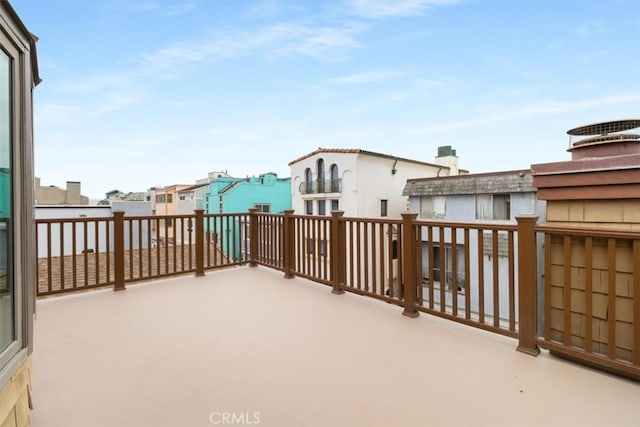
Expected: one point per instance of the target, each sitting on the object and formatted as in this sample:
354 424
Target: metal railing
324 186
583 303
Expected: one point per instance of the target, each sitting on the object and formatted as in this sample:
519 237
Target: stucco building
52 195
359 182
266 193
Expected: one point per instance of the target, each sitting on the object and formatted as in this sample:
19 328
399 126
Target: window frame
260 207
322 207
21 226
489 203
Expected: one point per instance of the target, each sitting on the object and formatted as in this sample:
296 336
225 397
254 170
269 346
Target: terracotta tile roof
359 151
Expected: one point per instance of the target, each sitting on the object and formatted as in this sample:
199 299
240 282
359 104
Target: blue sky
138 93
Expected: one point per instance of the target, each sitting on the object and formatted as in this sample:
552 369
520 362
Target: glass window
493 206
308 181
383 207
7 291
320 176
169 198
335 205
501 206
322 207
309 207
263 207
433 207
335 179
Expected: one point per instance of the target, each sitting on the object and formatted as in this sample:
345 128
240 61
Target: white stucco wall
366 180
75 212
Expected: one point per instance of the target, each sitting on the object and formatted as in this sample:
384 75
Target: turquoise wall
238 195
5 193
266 189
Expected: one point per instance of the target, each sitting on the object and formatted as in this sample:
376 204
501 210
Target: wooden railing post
288 244
527 284
337 251
409 258
199 242
253 233
118 250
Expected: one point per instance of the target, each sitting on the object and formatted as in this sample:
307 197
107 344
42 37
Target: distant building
138 228
191 198
117 195
496 197
266 192
166 202
53 195
361 183
598 188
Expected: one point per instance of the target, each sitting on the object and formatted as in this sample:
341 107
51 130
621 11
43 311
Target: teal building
266 192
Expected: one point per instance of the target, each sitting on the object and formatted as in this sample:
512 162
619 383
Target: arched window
308 180
335 180
320 175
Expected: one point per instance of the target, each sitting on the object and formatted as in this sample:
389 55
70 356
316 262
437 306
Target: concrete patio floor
246 344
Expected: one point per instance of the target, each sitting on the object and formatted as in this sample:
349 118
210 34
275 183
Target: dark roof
516 181
365 152
193 187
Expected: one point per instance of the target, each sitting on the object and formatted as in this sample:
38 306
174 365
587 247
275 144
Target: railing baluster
611 313
588 290
496 279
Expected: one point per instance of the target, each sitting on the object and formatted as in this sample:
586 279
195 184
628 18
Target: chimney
447 157
73 193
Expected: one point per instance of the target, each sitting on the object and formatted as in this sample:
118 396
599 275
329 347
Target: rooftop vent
604 132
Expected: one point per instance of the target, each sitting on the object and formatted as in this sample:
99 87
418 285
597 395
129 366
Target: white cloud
372 76
590 28
426 83
174 9
384 8
535 109
325 43
179 9
264 9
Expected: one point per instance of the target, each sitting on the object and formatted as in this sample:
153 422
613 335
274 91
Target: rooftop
183 351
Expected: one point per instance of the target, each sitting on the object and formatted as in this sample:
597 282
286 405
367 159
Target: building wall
268 189
347 172
15 397
52 195
366 180
375 182
236 195
623 214
5 187
50 212
597 189
462 207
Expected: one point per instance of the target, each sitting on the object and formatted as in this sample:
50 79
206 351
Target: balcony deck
244 340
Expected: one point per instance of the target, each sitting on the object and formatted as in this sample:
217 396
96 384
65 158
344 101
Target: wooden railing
582 303
592 297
